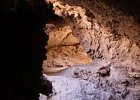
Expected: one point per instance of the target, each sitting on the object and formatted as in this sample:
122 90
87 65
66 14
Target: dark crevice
22 50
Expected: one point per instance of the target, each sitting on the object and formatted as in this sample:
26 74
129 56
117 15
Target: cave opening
108 32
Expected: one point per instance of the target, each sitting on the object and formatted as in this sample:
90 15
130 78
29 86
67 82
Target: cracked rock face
64 49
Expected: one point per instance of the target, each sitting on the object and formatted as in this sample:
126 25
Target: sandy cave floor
69 86
84 83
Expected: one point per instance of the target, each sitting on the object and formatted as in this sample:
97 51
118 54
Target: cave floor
71 85
85 82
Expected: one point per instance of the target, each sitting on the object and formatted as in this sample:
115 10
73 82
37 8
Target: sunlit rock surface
64 49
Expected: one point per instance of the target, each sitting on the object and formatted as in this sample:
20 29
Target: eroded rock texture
109 31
